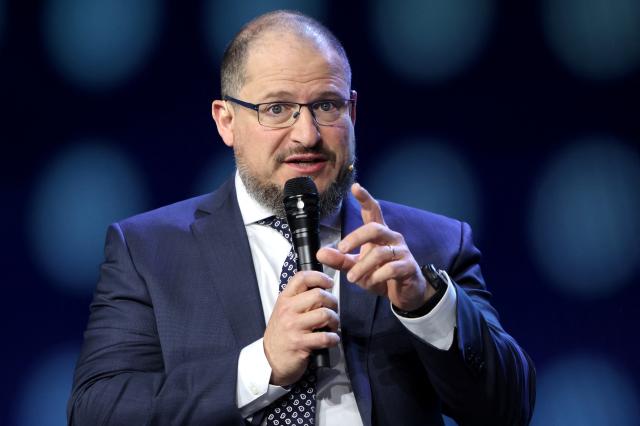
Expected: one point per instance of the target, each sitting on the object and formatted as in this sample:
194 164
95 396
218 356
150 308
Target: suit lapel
357 308
222 239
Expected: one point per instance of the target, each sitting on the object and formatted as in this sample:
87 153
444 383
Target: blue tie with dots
298 407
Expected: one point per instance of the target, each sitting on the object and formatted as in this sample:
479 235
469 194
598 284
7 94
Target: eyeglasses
278 115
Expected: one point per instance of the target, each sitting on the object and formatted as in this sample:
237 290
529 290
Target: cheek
256 150
260 160
342 144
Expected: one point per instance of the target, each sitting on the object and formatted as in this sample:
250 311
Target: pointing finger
370 208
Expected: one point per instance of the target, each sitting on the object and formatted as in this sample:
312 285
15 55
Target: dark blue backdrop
519 117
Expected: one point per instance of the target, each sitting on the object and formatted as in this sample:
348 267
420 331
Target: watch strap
436 280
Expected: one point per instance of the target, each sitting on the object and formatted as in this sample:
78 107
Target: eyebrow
279 95
283 95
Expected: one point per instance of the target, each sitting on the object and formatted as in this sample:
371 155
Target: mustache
329 155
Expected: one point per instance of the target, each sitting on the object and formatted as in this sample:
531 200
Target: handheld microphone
303 216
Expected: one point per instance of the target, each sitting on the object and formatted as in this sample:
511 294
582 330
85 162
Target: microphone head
299 186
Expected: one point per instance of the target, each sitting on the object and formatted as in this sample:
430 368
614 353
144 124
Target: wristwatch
435 279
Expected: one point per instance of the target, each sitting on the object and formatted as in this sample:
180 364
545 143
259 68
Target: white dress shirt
335 401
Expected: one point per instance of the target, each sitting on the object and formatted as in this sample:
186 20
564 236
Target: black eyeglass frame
256 108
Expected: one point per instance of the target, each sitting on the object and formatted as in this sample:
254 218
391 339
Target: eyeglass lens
284 114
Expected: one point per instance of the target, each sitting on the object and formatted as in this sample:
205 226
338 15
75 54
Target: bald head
302 27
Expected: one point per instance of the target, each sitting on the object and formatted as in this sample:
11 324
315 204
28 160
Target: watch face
433 276
429 272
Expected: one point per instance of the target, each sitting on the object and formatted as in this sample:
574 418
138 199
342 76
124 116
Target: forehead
286 63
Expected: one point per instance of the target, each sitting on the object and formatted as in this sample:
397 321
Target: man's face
284 68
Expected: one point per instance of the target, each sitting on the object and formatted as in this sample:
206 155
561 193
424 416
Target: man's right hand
303 306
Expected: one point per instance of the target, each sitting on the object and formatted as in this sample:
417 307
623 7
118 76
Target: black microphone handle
301 203
307 246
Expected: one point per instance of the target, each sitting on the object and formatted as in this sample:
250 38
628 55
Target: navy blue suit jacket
178 299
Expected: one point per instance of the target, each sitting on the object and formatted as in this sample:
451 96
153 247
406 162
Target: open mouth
306 162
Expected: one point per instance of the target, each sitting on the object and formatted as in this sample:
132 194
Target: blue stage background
521 118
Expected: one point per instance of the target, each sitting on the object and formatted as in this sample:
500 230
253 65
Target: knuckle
381 252
392 268
326 299
296 341
325 315
375 226
288 324
325 339
380 229
284 309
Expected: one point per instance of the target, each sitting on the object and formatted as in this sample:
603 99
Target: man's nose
305 130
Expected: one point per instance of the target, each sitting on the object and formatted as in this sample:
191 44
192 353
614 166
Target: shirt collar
252 211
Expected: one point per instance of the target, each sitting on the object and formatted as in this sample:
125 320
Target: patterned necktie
298 407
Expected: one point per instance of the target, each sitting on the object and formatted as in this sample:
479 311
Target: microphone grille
300 185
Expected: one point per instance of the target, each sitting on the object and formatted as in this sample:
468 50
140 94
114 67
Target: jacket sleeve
485 378
121 378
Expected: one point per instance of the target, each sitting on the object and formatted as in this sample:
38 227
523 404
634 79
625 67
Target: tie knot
279 224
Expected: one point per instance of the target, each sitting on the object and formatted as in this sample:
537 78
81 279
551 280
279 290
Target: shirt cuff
253 391
436 327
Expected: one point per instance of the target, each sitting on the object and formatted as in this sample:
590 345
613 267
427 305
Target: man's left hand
384 264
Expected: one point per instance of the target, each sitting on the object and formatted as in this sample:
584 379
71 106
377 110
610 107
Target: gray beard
270 195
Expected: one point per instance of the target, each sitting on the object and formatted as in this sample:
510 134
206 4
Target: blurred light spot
584 219
219 169
598 39
46 388
79 194
448 421
587 391
431 40
222 20
99 43
446 186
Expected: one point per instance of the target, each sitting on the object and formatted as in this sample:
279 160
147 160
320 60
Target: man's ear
223 116
354 96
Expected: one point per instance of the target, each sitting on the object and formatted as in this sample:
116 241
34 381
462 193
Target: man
200 318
